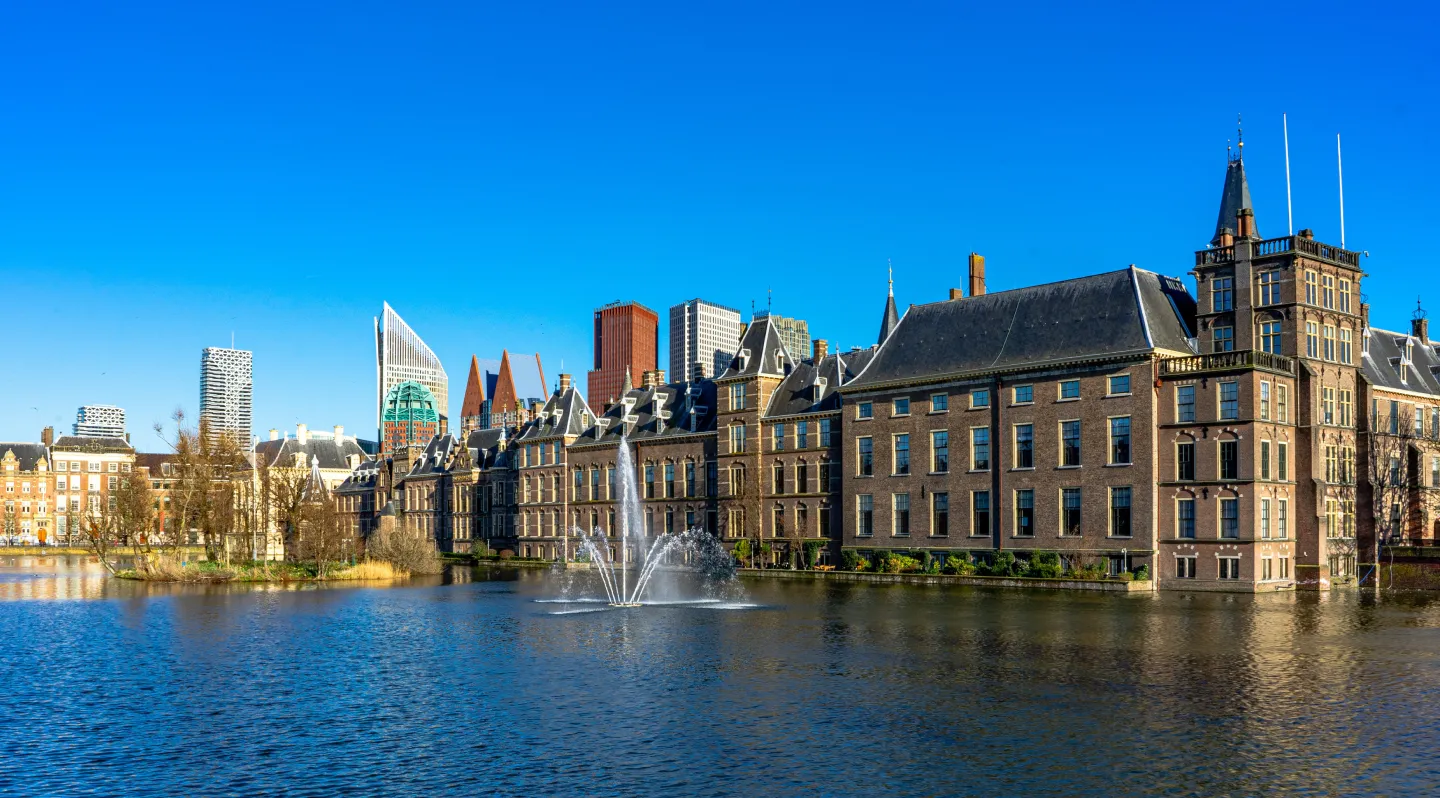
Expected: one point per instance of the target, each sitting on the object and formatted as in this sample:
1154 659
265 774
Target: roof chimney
697 371
1420 324
302 433
339 433
564 383
977 275
957 293
819 349
647 378
274 434
47 437
1245 223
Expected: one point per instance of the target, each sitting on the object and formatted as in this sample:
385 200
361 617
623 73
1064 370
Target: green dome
410 401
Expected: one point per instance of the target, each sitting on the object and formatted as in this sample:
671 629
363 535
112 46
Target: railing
1226 361
1279 246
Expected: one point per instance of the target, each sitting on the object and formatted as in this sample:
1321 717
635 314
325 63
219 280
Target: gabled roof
435 459
362 479
154 462
664 411
474 391
486 448
767 354
1234 197
334 455
28 456
1384 362
801 392
504 396
86 443
564 414
1126 312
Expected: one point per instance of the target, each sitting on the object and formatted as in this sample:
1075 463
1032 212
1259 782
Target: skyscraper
794 333
225 386
705 333
400 356
627 337
100 421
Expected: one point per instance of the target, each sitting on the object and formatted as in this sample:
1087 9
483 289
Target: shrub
812 552
1004 564
1125 576
960 566
932 563
506 554
900 564
853 561
406 550
369 569
1142 573
742 550
1046 565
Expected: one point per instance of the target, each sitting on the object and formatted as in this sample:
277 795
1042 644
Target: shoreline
1013 582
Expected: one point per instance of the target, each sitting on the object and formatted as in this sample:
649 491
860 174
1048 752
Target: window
1284 567
864 410
1024 394
1222 294
1120 512
940 514
900 407
579 487
802 435
737 439
1310 288
1185 461
1344 296
1347 346
1265 460
1229 459
737 396
1229 401
1120 440
1329 351
1312 339
1282 403
825 439
1223 339
865 509
829 475
689 480
1264 519
902 515
778 438
980 449
866 450
1270 337
649 481
1282 461
1024 513
1119 384
1070 389
1229 567
1229 518
980 397
1394 418
802 477
940 451
980 513
1184 403
779 479
1185 519
1024 446
1327 291
939 403
610 482
1264 401
1327 405
1185 567
1270 288
1069 511
1070 443
902 454
669 480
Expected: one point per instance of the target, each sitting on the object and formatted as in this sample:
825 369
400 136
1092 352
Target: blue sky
176 172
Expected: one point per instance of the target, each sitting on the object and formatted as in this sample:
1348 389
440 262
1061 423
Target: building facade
226 383
28 512
86 470
627 340
795 333
703 336
100 421
410 418
401 356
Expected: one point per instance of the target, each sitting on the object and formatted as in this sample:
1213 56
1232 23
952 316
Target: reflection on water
474 685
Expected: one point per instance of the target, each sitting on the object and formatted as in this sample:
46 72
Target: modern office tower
794 333
409 419
225 387
627 338
100 421
400 356
704 333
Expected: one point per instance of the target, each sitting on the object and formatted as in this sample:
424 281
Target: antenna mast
1340 169
1289 214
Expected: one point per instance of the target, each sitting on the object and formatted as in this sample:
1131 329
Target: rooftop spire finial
1239 138
1419 311
890 267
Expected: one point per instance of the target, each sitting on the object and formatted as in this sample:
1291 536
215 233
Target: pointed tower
1234 198
891 318
505 401
628 385
473 408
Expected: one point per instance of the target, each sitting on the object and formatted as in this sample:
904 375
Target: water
471 684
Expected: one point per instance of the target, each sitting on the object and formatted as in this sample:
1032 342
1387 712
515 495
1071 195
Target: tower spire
891 318
890 267
1235 196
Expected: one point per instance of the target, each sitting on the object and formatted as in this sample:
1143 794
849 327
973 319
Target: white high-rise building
705 333
100 421
225 388
400 355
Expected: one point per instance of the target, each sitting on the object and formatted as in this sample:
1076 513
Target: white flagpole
1340 168
1289 213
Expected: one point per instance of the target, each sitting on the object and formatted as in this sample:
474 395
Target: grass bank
164 569
56 551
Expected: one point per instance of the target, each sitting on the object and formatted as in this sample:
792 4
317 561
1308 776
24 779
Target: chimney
535 406
1245 223
1225 239
1364 314
977 275
564 383
647 379
697 371
339 433
957 293
1308 233
659 377
1420 328
47 437
274 434
819 349
302 433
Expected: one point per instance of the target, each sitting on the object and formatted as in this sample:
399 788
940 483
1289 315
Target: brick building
27 515
86 470
627 339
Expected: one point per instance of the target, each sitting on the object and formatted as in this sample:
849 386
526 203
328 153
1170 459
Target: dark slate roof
890 320
86 443
1233 197
362 479
761 351
563 414
652 413
1384 362
436 457
801 392
487 448
333 454
154 463
1104 315
28 455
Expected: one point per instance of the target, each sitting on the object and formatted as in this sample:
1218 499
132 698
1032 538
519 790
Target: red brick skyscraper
627 336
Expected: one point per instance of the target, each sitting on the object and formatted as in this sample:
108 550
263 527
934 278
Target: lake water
476 684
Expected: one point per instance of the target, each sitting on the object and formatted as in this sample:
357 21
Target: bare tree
201 494
286 490
1391 478
323 536
9 523
121 520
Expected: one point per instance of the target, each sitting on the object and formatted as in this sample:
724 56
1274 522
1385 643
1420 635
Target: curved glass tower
401 356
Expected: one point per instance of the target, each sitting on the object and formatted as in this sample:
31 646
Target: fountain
701 551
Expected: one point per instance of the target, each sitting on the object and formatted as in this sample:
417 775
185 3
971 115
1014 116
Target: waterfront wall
1096 585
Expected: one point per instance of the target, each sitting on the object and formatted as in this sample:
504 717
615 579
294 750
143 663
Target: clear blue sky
175 172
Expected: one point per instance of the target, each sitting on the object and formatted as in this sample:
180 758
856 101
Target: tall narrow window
1120 512
1327 405
1069 511
1265 460
940 451
802 435
779 471
865 512
1327 291
802 477
737 439
825 439
1282 461
940 514
1229 401
1312 339
1024 513
980 449
649 481
1264 401
1264 519
689 480
1185 519
1185 461
1120 440
1329 351
1229 459
1270 288
980 513
1184 403
1229 518
1024 446
1311 291
1270 337
1347 346
1222 294
866 450
902 454
1070 443
902 515
1282 404
1223 339
779 438
1344 296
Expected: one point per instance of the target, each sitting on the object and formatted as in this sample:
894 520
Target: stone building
329 459
27 516
91 468
544 517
